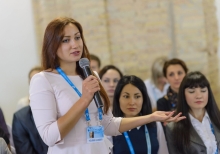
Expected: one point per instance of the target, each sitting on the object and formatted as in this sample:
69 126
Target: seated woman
200 131
110 75
131 100
157 85
174 70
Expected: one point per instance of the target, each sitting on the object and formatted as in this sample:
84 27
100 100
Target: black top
164 104
168 102
138 141
25 135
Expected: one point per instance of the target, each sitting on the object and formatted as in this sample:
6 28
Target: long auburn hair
181 130
53 37
138 83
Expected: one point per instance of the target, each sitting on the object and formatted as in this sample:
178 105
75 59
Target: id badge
95 134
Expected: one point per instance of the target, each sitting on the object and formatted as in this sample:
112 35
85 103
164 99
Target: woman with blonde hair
157 85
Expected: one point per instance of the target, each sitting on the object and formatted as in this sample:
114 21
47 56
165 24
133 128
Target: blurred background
127 33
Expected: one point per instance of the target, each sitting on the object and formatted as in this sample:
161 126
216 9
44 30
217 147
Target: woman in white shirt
200 131
61 98
157 85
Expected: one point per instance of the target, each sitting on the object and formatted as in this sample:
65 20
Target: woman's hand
166 117
89 86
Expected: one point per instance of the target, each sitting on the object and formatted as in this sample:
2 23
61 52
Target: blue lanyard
213 131
147 140
60 71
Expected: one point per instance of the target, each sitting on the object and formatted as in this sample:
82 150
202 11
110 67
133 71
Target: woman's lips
198 102
111 90
75 53
131 109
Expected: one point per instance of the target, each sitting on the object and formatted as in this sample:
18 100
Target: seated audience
174 70
95 63
157 85
110 75
25 135
131 100
25 100
200 131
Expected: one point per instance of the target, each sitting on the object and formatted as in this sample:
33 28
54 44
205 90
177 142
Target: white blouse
204 130
154 93
50 98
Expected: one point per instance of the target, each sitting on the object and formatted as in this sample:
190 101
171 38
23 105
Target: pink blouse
50 98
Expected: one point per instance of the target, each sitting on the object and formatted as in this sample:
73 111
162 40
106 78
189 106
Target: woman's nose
131 101
198 94
73 43
112 83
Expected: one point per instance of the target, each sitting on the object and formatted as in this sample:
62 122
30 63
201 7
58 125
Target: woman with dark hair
200 131
131 100
95 63
174 70
61 98
110 75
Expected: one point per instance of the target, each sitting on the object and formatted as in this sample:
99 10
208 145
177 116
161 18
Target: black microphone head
83 62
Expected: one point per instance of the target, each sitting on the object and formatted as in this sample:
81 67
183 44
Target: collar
137 128
194 120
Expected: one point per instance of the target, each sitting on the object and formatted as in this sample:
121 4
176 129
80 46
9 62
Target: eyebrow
74 34
134 94
126 93
137 93
196 87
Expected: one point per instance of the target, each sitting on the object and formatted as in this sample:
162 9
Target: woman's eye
137 96
191 91
66 40
203 90
179 73
171 74
116 81
126 96
106 81
77 38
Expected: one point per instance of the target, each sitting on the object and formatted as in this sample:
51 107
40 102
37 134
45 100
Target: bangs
196 81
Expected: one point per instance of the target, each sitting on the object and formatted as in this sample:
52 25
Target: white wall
17 52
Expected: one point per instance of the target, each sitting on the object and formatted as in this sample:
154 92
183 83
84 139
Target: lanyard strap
147 140
60 71
213 131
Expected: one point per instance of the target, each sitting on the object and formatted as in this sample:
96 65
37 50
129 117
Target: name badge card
95 134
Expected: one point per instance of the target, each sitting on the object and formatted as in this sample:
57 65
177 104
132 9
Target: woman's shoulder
163 99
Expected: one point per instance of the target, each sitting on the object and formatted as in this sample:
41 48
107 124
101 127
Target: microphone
85 65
